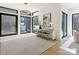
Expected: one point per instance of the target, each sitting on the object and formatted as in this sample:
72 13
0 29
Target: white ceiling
70 5
36 6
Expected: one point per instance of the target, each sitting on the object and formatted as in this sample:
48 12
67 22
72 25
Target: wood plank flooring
56 50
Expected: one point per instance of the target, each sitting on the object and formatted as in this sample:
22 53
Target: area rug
31 45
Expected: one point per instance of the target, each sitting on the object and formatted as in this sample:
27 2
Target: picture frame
46 19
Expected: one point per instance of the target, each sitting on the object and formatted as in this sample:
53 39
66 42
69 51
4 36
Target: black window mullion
16 24
0 24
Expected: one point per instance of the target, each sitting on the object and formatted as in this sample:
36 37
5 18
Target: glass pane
25 24
35 24
64 24
76 22
8 24
28 24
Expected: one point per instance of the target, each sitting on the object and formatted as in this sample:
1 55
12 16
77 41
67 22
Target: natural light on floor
70 50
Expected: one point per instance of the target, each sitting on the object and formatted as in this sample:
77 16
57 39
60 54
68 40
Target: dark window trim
72 24
66 24
0 24
9 8
16 24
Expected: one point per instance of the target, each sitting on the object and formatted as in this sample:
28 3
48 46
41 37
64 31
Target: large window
9 21
75 22
64 24
35 23
25 24
8 24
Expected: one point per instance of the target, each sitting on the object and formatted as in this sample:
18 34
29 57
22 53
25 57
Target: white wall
56 10
43 8
52 8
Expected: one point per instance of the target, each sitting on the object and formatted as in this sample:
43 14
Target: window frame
66 23
9 9
26 25
33 22
1 24
33 17
72 21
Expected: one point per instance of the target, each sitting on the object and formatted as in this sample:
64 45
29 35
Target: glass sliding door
25 24
64 24
8 24
75 22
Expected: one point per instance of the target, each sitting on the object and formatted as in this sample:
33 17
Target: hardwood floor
56 50
53 50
